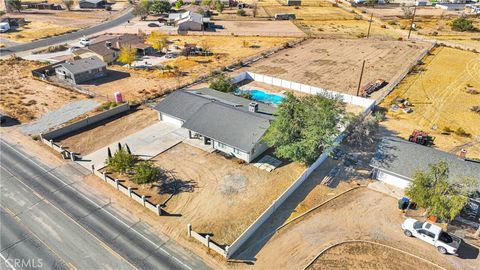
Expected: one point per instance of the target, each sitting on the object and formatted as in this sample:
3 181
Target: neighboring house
81 70
92 3
14 22
227 123
107 47
397 160
473 8
450 6
41 5
421 3
294 2
187 21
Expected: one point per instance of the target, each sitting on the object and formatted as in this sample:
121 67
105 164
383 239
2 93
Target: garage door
169 119
392 179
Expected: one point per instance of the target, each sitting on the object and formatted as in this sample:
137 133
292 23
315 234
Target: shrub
462 25
461 132
146 172
222 83
121 161
241 12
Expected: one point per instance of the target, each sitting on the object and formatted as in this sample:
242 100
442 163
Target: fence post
116 182
51 143
104 176
41 137
72 156
159 210
130 192
208 240
189 230
226 250
93 168
143 199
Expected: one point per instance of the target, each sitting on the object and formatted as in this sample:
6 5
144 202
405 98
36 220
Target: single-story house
227 123
41 5
92 3
294 2
187 21
450 6
107 47
396 161
81 70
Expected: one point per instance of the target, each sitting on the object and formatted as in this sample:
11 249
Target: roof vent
253 107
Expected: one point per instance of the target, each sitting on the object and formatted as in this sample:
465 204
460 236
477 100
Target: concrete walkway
146 143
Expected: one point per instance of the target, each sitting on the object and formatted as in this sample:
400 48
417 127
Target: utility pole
360 80
370 25
411 23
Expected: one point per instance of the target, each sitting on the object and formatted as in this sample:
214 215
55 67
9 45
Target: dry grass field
25 98
141 84
37 30
441 101
367 256
218 195
336 64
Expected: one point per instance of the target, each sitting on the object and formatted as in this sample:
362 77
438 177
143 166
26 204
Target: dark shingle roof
403 158
212 115
83 65
236 128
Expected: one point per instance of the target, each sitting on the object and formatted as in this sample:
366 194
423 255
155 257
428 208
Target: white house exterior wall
391 179
231 151
190 26
169 119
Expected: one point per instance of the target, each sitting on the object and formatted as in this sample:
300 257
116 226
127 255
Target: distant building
41 5
396 161
92 3
107 47
294 2
221 121
187 21
81 70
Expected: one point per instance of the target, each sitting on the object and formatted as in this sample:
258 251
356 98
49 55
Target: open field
361 214
440 100
108 131
218 195
140 84
367 256
336 64
26 98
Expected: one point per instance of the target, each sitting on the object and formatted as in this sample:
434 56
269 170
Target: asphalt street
69 227
66 37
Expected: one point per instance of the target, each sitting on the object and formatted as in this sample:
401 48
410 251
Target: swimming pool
261 96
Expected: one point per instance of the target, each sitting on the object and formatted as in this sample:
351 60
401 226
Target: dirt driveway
360 214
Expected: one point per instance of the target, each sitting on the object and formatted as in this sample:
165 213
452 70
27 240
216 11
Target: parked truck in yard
432 234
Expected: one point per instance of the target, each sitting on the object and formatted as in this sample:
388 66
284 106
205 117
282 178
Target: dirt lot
107 132
336 64
218 195
440 100
46 23
361 214
367 256
139 84
25 98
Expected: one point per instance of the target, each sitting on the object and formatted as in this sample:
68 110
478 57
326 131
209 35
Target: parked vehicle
285 16
432 234
84 41
73 48
170 55
153 25
4 27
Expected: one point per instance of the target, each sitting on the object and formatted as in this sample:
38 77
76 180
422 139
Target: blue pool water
261 96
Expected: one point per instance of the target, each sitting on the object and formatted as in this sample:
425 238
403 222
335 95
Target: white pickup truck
432 234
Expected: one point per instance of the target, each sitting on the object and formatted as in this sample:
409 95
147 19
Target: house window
236 151
221 145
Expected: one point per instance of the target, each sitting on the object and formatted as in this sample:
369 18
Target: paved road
76 228
67 37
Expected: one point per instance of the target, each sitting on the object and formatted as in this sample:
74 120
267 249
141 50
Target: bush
108 105
461 132
241 12
121 162
462 25
146 172
222 83
108 8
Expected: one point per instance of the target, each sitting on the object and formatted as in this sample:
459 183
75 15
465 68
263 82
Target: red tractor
421 137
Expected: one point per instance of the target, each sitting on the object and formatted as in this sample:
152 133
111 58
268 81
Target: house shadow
467 251
9 121
112 75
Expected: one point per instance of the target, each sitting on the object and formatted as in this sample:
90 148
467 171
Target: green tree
179 4
158 40
159 7
305 126
462 25
219 6
440 196
206 2
241 12
140 11
222 83
121 161
146 172
361 131
15 4
127 55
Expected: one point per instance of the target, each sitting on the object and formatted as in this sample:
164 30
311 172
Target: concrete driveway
146 144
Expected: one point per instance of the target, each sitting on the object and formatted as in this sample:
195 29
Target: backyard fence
85 122
205 240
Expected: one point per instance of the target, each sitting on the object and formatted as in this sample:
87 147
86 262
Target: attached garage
170 119
391 179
